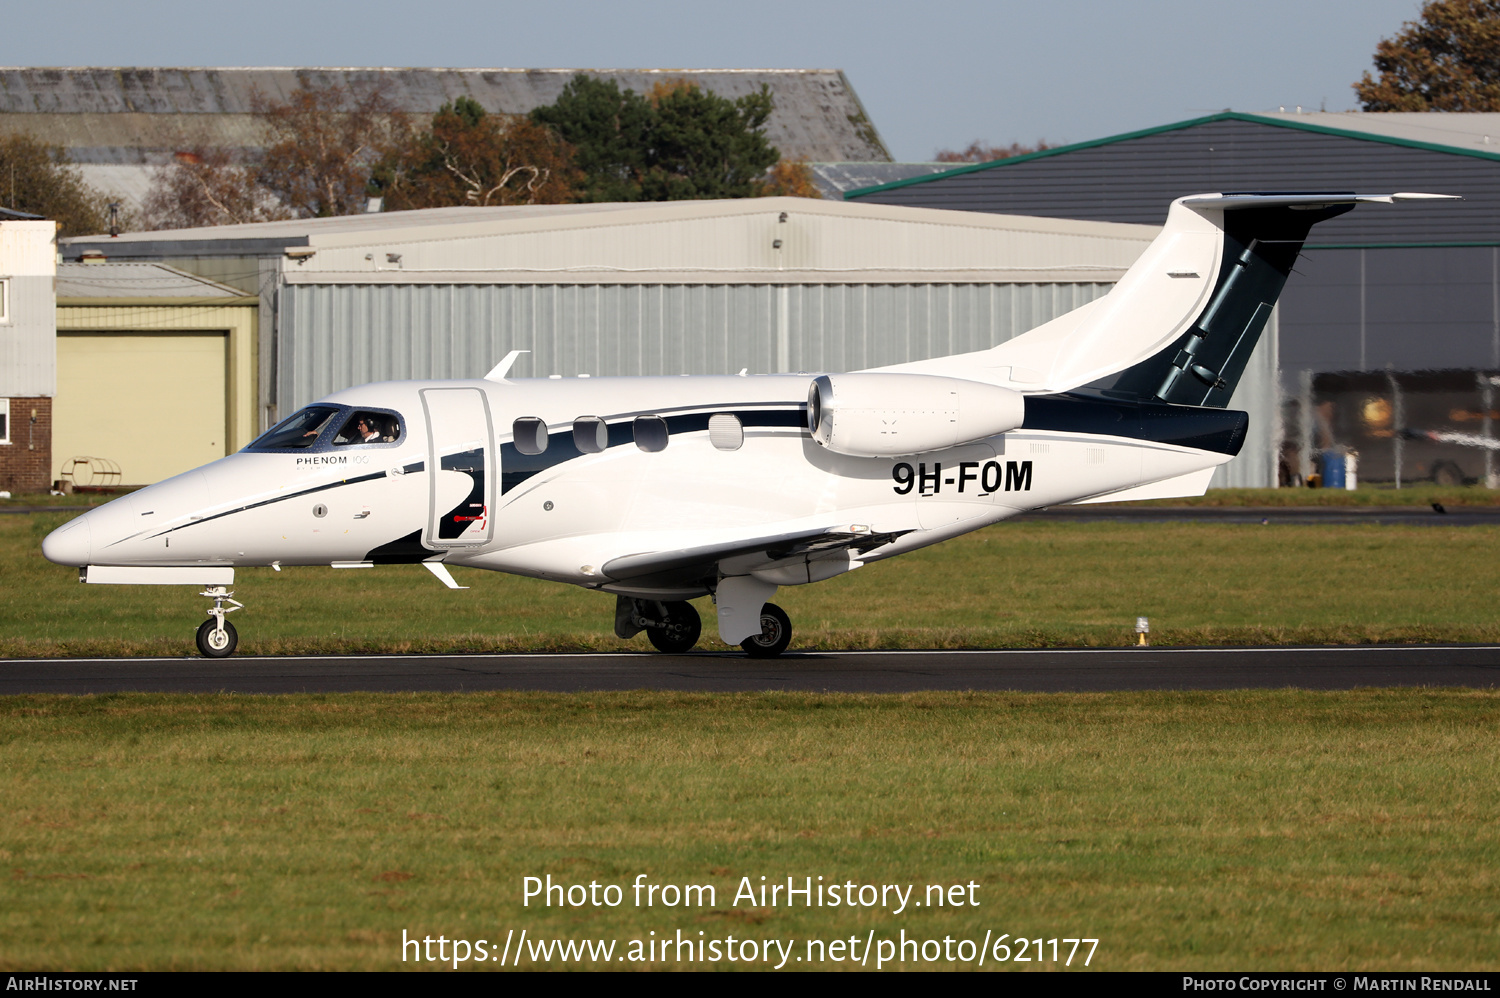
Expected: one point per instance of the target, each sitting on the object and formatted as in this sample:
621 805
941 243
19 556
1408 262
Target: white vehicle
663 489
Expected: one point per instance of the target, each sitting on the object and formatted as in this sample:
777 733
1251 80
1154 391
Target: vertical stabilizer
1181 324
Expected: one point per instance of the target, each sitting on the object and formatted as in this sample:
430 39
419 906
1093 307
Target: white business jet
662 490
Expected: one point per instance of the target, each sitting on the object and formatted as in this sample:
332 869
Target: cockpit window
366 426
313 429
302 429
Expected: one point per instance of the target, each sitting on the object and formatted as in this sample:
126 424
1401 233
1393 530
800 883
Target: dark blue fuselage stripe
516 467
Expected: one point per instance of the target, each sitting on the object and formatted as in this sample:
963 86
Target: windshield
299 430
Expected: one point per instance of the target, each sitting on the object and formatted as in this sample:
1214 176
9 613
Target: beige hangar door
155 405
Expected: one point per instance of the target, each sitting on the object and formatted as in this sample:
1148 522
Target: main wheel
775 633
681 630
214 644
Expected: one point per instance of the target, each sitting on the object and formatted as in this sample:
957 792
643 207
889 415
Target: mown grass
1422 494
1210 831
1026 583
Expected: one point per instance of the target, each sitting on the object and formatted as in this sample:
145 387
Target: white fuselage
453 487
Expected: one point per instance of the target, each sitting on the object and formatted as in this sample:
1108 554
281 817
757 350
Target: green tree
608 130
706 146
469 157
1447 60
36 178
679 142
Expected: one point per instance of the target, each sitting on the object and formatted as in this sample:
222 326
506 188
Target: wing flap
694 564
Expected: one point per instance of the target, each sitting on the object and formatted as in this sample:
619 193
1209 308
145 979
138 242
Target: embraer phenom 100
661 490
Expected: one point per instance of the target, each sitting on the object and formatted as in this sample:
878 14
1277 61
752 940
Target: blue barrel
1333 470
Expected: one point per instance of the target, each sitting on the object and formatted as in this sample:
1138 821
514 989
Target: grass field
1020 584
1228 831
1209 831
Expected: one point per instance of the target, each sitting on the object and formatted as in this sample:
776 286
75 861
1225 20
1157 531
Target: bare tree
323 145
206 186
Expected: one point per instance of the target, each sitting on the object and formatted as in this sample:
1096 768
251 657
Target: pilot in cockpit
360 430
368 428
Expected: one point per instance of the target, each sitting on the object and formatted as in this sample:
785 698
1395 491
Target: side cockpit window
298 431
366 426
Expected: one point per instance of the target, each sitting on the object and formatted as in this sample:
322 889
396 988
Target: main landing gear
775 633
217 637
672 627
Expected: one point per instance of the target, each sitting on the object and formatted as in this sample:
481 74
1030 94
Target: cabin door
462 481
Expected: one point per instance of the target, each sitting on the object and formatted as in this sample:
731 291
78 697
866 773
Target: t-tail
1181 324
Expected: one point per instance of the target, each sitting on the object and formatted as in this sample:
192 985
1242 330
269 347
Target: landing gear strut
775 633
217 637
671 627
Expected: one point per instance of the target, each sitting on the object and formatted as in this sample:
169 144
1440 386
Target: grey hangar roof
118 123
1405 287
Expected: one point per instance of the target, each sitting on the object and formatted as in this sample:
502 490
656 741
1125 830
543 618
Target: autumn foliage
1447 60
983 152
469 157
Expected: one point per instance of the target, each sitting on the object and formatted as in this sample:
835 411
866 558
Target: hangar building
1399 288
687 287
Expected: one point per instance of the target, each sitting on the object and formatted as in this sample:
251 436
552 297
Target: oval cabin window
530 435
590 434
650 433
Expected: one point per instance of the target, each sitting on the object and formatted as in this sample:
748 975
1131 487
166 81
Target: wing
695 566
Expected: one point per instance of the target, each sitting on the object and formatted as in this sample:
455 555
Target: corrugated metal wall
28 263
335 336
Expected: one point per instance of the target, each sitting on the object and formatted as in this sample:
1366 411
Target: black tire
775 633
681 631
208 637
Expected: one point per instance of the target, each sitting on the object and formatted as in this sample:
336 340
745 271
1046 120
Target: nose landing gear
217 637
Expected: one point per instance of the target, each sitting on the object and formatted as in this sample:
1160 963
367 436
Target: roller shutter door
155 405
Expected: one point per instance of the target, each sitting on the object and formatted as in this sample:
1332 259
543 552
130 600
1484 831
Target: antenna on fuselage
498 372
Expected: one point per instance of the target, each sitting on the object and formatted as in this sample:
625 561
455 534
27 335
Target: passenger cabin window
725 431
365 426
530 435
301 429
590 434
650 433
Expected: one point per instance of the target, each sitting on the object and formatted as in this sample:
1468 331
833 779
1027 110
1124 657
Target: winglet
498 372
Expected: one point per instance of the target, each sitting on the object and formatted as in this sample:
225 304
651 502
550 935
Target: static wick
1142 628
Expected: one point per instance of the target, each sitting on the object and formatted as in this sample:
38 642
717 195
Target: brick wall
26 462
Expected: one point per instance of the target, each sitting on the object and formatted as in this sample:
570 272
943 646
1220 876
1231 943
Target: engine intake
892 415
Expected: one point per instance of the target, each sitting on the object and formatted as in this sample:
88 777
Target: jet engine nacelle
891 415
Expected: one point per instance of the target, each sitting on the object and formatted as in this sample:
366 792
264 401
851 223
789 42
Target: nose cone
69 543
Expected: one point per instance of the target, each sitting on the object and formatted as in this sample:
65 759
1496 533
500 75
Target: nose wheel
217 637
